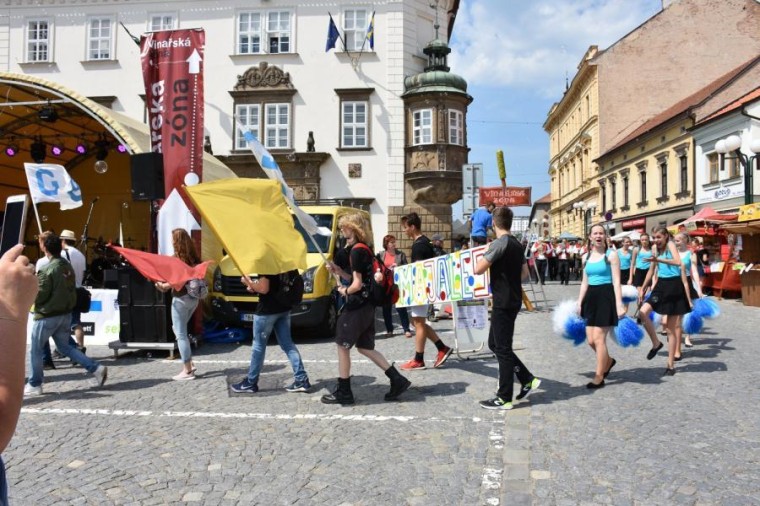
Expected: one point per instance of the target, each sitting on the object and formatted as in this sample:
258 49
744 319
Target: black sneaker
344 398
495 403
299 386
245 387
48 364
528 388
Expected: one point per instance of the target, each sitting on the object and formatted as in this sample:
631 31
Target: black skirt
598 306
668 297
692 291
639 275
624 275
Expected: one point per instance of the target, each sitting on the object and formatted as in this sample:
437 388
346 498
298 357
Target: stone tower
435 145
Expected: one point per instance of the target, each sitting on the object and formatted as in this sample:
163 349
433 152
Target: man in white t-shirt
79 264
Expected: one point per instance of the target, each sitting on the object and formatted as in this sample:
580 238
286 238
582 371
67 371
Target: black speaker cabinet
136 290
147 176
111 279
145 324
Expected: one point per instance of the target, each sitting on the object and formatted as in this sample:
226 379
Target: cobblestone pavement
693 438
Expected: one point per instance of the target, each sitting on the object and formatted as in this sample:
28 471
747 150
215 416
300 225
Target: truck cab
233 305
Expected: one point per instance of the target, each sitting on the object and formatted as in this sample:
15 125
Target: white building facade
265 65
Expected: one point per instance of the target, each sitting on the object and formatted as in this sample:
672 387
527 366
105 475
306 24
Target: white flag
49 182
173 214
272 170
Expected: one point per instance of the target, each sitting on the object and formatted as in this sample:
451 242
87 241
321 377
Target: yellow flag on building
252 221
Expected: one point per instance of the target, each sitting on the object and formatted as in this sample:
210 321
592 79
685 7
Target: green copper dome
436 77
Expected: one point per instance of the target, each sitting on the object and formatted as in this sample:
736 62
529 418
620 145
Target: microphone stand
83 242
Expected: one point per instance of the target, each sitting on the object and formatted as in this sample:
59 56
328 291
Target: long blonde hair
359 224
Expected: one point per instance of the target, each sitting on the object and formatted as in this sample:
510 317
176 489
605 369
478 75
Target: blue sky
515 55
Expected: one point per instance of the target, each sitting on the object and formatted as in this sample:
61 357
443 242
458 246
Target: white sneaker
184 376
99 376
30 391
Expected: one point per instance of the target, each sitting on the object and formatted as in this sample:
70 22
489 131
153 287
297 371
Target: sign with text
749 212
442 279
511 196
172 65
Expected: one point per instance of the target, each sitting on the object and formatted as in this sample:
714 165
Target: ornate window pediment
263 76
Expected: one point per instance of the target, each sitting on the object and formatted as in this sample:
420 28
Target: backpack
84 299
291 289
197 288
379 293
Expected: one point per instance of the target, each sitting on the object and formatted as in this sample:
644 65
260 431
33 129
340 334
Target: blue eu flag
332 35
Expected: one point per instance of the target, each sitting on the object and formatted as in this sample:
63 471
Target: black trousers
553 265
541 267
500 343
564 273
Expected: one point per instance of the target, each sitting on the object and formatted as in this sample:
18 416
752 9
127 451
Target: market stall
748 264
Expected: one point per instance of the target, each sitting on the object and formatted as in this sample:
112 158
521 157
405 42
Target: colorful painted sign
442 279
749 212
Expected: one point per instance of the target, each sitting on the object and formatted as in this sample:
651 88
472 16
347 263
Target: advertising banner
511 196
172 65
442 279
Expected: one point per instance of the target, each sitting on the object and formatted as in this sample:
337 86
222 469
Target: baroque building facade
335 120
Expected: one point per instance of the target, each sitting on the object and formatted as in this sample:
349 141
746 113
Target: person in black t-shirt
356 323
270 315
422 249
506 260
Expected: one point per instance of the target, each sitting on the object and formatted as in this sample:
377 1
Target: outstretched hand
18 284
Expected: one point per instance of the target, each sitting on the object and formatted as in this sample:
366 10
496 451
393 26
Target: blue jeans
262 327
183 308
403 316
59 328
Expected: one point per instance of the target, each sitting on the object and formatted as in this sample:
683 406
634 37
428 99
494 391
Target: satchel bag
84 298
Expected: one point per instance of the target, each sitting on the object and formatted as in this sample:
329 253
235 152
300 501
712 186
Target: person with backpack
356 323
183 303
391 257
273 313
422 249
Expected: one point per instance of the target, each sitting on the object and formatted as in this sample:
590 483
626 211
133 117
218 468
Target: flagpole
37 214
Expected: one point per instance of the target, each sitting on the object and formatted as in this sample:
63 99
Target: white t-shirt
77 261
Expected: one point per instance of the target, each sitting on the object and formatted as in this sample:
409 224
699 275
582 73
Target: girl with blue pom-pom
626 253
690 265
669 297
600 301
640 263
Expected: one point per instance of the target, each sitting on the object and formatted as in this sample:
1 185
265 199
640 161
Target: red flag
162 267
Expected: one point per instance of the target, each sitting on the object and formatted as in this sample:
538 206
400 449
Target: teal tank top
599 272
640 256
625 259
667 270
686 261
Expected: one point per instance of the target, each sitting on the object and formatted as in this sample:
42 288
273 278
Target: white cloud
534 43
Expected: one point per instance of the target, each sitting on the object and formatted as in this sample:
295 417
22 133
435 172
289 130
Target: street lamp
587 209
733 143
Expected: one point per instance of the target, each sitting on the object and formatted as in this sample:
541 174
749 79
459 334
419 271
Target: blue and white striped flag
272 170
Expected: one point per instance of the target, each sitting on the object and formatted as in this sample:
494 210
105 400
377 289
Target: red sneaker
412 364
443 355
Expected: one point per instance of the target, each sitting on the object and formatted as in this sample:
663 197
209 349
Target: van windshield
323 220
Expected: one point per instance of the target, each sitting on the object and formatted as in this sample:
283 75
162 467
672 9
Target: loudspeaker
147 176
136 290
145 324
111 279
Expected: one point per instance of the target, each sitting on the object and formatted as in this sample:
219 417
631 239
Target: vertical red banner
172 64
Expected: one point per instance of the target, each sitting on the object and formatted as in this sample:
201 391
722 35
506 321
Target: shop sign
505 196
635 223
749 212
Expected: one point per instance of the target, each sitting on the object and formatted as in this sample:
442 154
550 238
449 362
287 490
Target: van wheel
327 327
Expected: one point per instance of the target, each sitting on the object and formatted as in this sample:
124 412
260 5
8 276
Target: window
355 23
604 198
100 39
456 130
264 32
625 191
277 126
684 174
248 115
713 166
613 192
643 176
38 41
732 165
664 179
162 21
423 127
354 127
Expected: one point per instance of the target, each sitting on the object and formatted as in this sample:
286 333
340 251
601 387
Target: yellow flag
252 221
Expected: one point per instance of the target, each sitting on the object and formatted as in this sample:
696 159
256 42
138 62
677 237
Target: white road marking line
253 416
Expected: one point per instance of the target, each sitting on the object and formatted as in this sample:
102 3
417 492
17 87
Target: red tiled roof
546 199
683 106
749 97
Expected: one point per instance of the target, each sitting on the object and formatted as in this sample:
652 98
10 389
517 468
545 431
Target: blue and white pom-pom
568 324
627 333
706 308
629 294
656 318
692 323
